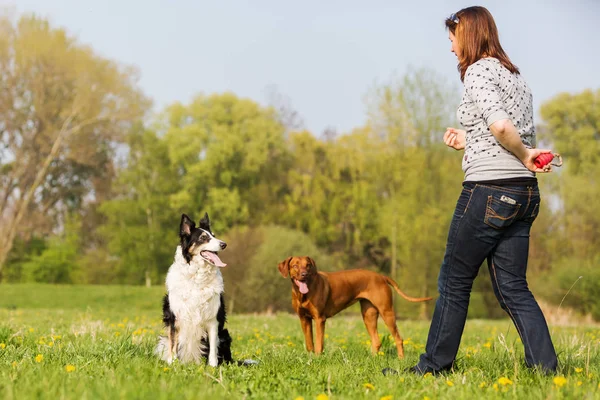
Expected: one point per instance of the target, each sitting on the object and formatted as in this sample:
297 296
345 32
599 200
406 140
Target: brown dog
321 295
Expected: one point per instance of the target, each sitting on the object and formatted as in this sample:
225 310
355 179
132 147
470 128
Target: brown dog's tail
393 284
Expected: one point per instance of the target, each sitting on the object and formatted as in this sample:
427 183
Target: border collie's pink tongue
214 258
302 286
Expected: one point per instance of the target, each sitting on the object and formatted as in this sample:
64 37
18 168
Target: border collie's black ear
205 222
284 267
312 262
186 226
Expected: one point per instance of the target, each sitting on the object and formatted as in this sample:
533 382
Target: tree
140 228
422 178
571 123
62 107
227 153
58 263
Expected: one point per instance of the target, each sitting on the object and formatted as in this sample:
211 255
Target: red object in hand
543 159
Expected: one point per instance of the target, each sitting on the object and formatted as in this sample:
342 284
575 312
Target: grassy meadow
90 342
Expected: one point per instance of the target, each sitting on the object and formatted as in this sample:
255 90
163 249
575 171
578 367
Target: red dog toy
546 158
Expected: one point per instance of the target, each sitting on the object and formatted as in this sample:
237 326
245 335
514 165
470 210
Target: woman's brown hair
477 36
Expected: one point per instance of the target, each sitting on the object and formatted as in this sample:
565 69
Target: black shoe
417 371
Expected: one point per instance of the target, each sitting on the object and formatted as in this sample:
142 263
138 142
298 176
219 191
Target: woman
500 197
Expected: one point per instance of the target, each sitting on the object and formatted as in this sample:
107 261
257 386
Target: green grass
86 342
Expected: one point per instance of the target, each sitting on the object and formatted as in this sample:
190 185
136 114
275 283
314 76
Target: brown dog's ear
284 267
312 262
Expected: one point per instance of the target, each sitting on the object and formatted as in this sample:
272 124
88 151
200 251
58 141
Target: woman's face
455 47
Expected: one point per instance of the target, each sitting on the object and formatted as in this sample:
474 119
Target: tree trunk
8 234
394 243
148 279
152 247
231 302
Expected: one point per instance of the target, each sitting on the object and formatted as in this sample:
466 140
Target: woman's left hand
455 138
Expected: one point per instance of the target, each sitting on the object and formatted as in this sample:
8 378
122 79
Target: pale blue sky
323 55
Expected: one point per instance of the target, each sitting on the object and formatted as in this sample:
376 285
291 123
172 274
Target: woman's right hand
529 160
455 138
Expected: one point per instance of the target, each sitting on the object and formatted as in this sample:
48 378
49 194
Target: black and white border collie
193 308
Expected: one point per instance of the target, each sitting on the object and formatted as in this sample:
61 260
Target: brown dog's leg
389 317
370 315
308 333
320 335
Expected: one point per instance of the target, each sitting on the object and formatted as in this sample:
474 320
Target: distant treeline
92 186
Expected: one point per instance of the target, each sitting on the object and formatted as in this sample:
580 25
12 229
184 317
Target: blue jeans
490 223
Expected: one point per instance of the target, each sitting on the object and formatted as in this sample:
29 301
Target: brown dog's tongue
302 286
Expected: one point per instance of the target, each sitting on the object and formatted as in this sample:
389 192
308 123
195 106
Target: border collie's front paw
213 361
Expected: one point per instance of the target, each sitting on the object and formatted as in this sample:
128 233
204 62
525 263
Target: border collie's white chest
194 290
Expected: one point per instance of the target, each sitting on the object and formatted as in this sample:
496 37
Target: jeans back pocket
500 213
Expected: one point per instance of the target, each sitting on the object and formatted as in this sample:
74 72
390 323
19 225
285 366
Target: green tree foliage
140 228
572 124
226 152
58 262
379 197
62 107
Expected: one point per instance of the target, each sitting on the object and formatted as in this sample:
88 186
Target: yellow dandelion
388 397
401 380
51 344
299 398
427 375
165 369
487 345
579 370
579 383
322 396
368 386
426 398
291 344
560 381
495 386
14 364
57 337
117 333
69 368
504 381
450 383
482 385
39 358
31 330
381 353
2 346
